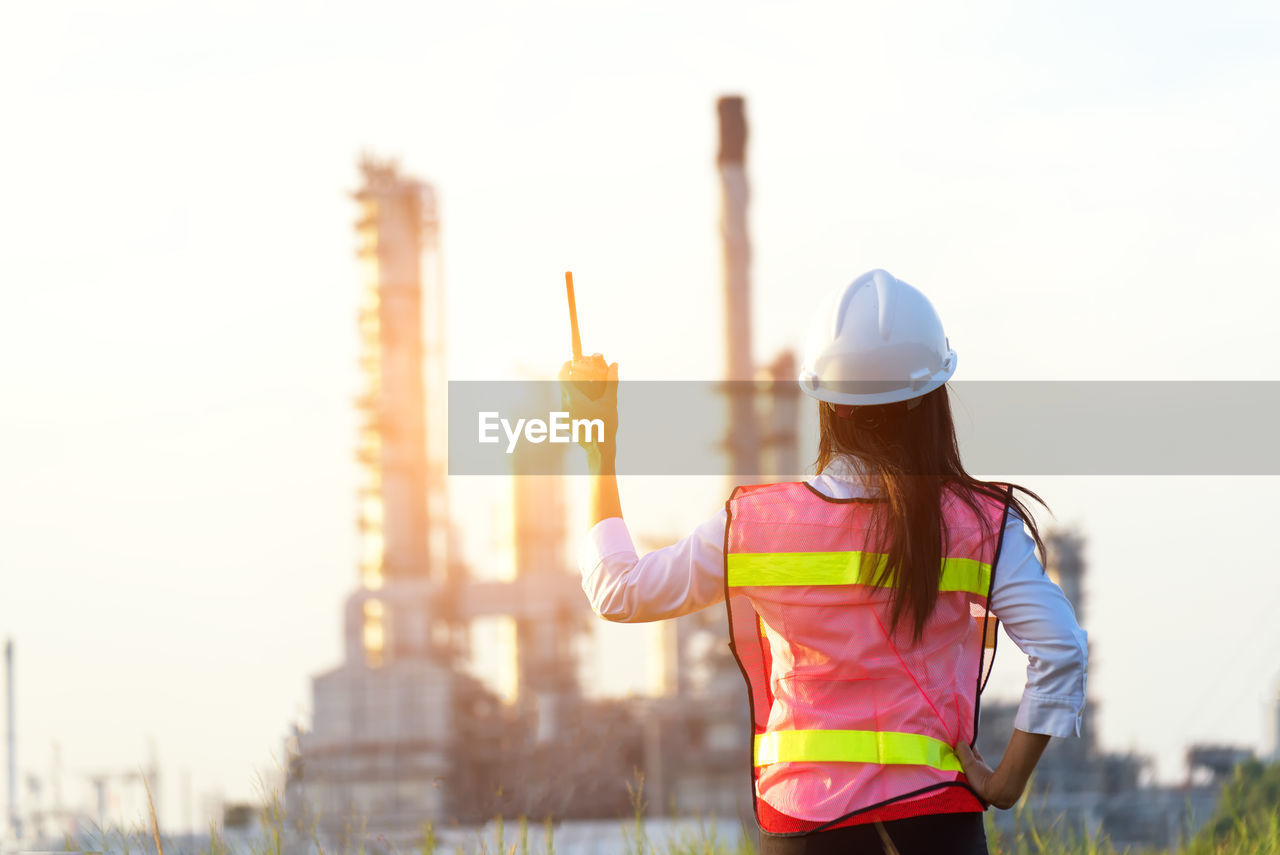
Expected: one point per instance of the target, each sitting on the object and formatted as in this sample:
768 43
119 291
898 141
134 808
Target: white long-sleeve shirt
689 575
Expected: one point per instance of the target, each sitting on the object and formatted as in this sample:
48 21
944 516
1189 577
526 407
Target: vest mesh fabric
813 639
949 800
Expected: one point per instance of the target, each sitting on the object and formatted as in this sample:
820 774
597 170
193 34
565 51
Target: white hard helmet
876 341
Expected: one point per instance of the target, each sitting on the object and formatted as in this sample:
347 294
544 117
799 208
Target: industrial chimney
741 439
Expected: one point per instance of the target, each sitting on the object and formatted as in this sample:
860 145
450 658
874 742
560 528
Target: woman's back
850 714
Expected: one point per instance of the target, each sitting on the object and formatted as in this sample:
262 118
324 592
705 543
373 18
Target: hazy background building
1077 785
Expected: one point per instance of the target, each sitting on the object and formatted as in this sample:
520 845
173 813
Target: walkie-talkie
593 365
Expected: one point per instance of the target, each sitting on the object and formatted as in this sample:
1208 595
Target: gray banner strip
1003 427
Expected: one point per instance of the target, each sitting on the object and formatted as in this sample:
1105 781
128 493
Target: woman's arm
605 502
1039 619
1004 785
602 455
675 580
679 579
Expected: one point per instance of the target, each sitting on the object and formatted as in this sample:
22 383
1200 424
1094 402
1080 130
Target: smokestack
783 416
15 824
741 440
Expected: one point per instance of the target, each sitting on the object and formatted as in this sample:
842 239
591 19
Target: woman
862 603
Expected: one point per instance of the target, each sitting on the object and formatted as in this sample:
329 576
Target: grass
1248 833
634 839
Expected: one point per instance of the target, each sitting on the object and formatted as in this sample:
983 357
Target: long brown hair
908 451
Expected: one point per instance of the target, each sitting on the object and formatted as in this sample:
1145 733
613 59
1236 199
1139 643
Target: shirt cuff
606 538
1049 715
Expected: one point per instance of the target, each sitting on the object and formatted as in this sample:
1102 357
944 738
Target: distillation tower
400 732
382 720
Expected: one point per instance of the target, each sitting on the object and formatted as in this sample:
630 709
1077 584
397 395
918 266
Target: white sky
1087 192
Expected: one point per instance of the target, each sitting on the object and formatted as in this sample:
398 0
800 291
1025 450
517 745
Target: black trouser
933 834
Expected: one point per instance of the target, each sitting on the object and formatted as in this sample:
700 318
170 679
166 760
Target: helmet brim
873 392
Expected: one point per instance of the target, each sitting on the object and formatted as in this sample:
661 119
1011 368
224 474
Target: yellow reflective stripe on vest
854 746
843 568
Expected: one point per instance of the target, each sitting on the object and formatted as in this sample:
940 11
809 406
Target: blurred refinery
402 732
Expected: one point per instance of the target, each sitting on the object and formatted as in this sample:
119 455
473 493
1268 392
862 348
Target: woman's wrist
1004 791
1009 780
601 461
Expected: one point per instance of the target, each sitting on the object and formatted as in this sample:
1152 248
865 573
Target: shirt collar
845 468
845 477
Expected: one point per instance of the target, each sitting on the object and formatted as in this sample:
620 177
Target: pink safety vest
847 717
